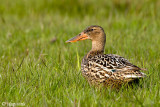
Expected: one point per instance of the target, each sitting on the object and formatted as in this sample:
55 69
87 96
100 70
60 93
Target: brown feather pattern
109 70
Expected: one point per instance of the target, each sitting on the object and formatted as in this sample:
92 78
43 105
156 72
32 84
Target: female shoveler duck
107 69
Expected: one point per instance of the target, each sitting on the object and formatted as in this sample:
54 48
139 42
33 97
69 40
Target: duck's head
94 33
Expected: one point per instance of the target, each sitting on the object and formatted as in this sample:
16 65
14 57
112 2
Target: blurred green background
38 68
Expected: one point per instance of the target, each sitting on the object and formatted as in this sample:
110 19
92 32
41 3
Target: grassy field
37 71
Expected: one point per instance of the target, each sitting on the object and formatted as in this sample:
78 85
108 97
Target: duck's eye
90 30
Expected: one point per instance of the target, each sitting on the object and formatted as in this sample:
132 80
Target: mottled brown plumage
109 70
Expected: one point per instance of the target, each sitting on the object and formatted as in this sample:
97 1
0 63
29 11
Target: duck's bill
79 37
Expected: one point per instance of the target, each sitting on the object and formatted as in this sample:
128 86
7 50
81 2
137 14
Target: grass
38 72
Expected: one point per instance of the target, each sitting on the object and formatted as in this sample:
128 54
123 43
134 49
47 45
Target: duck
108 70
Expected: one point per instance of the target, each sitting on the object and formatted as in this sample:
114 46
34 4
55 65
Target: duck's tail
133 76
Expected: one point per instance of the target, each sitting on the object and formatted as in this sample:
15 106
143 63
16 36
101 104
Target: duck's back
109 69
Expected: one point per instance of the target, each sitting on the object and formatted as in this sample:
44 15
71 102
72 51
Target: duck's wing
114 65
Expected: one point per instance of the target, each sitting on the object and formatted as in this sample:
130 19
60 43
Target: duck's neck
97 48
